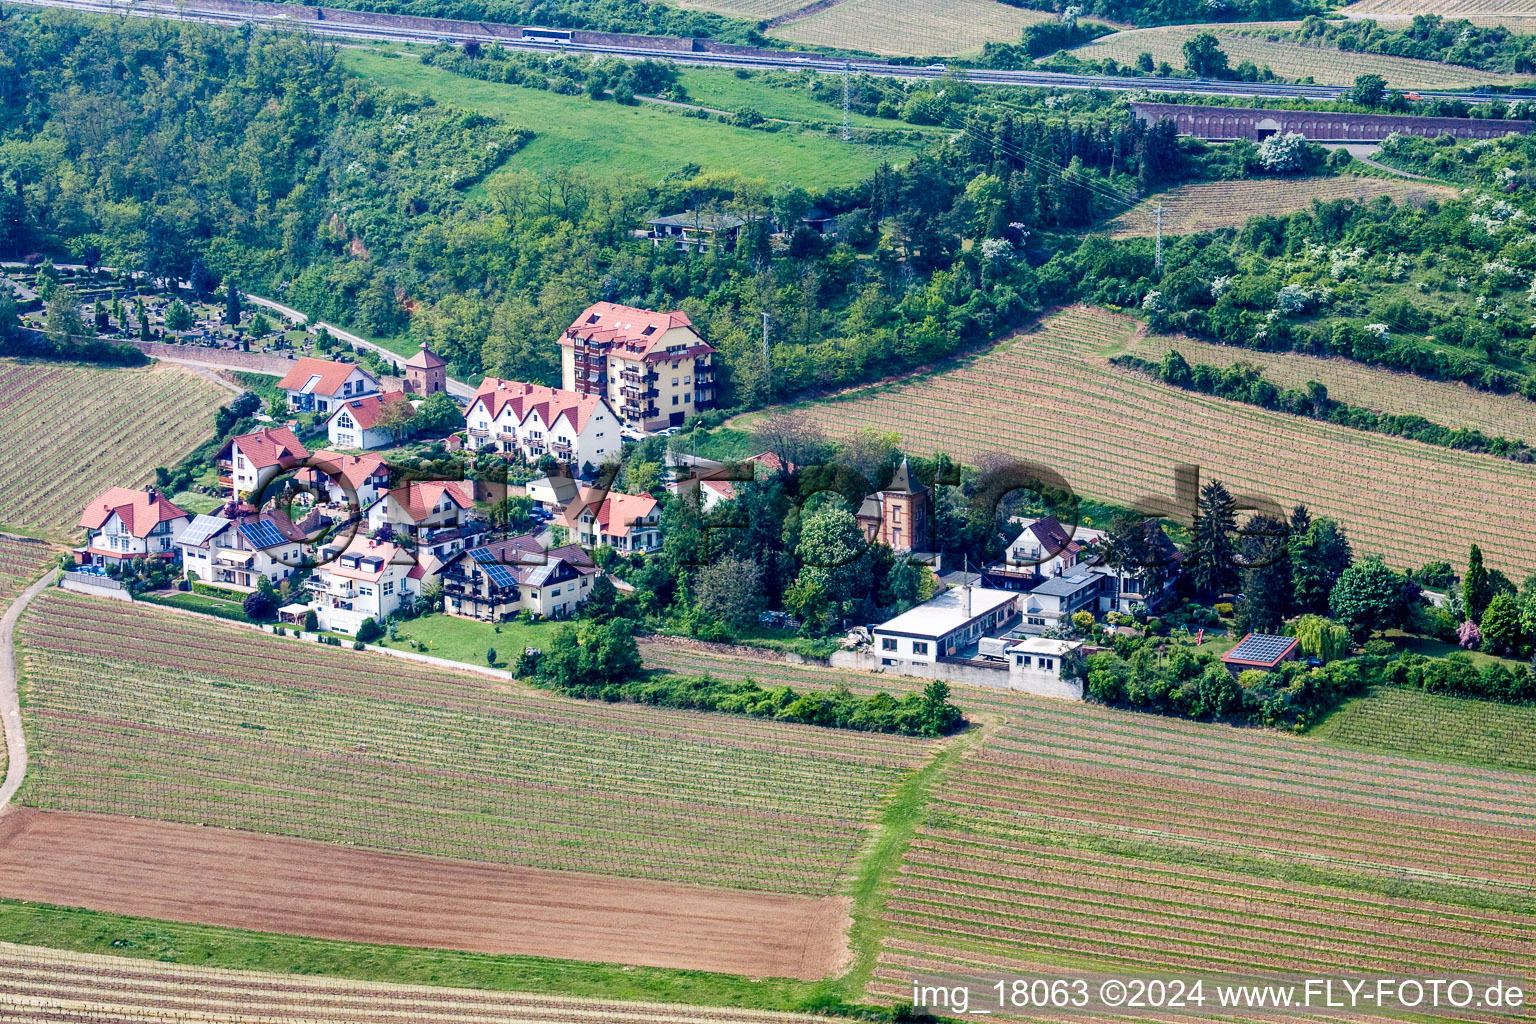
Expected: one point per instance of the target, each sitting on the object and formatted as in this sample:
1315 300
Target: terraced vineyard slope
1324 65
199 721
911 28
44 985
1443 402
1211 205
67 432
1470 9
1431 725
1049 395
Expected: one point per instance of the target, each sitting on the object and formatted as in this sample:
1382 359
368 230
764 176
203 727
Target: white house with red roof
534 421
319 385
365 580
495 582
250 460
653 368
436 516
624 522
126 523
332 473
356 423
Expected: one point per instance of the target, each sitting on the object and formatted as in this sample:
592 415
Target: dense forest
162 144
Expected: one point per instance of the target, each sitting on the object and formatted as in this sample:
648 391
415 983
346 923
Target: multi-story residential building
625 522
653 368
249 461
125 523
532 420
319 385
238 552
433 516
500 579
365 580
359 423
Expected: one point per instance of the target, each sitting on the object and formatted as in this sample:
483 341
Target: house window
919 647
1047 663
674 399
389 588
887 643
674 382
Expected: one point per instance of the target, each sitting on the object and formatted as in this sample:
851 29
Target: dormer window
649 331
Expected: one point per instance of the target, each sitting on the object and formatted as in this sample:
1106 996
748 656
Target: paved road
336 25
456 388
10 702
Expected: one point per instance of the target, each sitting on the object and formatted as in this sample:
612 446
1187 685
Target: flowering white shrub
1220 285
1292 298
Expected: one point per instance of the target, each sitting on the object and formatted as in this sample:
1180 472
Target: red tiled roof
635 331
615 513
140 510
355 470
366 410
526 399
268 447
331 373
388 553
418 499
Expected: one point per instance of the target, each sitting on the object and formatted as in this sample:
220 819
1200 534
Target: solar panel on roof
499 574
263 534
201 528
1262 647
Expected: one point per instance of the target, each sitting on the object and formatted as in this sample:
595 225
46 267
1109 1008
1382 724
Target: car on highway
936 67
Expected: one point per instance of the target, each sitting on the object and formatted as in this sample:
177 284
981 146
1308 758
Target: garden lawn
197 504
722 90
605 139
466 640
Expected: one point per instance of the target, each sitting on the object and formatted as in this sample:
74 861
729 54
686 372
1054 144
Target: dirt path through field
239 879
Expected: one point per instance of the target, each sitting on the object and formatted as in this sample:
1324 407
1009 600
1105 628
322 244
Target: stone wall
1223 123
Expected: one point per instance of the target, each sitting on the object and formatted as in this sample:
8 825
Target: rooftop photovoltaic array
498 573
263 534
1261 647
201 528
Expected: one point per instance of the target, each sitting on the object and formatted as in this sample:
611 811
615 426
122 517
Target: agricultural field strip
34 980
1183 752
65 432
21 562
471 784
1458 730
912 28
1122 806
937 850
1326 65
1136 921
1208 206
1443 402
1445 8
1334 469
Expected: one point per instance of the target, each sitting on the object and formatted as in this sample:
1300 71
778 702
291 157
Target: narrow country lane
10 700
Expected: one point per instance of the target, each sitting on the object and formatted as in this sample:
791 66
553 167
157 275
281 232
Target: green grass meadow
646 141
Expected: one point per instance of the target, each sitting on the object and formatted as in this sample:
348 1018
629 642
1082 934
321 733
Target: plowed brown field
238 879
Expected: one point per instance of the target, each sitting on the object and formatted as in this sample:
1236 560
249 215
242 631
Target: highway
465 31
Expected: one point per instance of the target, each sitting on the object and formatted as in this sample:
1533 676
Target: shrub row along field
1434 725
911 28
38 985
1212 205
1050 397
21 562
1094 838
1324 65
194 721
67 432
1444 402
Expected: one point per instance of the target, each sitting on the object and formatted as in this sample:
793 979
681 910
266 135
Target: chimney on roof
965 599
149 489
